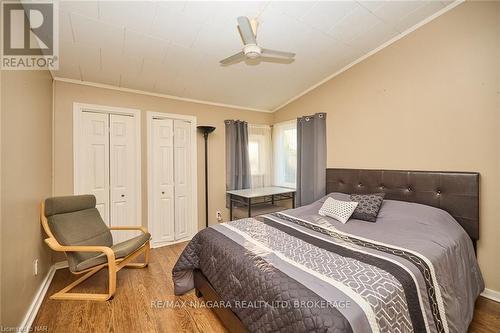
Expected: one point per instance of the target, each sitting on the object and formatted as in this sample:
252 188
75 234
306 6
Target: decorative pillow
339 210
369 206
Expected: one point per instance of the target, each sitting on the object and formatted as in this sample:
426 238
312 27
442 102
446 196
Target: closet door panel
94 161
182 175
163 180
122 175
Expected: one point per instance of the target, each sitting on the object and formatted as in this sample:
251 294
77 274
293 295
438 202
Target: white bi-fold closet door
106 154
172 211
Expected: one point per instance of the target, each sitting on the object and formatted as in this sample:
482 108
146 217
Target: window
273 162
253 151
259 151
285 153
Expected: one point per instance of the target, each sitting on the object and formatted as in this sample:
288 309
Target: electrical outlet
35 267
218 216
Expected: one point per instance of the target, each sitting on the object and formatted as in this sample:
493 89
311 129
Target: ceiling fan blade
246 31
269 52
284 61
235 57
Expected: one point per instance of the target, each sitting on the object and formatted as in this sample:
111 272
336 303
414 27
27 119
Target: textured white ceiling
174 47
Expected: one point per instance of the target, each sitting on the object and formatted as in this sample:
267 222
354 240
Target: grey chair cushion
121 250
68 204
84 227
74 220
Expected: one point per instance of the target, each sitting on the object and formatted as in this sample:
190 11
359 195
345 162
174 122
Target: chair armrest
54 245
141 228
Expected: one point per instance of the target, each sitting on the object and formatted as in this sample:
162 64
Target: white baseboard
491 294
155 245
37 301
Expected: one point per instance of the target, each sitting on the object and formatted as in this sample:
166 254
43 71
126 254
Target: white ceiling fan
248 32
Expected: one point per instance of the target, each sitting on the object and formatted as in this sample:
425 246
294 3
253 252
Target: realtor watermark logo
30 39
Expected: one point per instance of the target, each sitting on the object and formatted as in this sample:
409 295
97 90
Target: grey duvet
414 270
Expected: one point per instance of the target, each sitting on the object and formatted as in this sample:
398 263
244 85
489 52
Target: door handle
162 192
123 195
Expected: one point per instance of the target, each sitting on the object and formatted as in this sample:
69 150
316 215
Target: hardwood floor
486 317
133 308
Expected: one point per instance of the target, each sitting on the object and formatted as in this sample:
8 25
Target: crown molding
372 52
147 93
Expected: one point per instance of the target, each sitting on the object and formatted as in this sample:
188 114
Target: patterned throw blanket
300 276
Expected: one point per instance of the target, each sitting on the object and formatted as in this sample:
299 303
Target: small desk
244 197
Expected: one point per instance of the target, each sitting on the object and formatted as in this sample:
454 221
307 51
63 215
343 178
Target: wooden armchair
75 227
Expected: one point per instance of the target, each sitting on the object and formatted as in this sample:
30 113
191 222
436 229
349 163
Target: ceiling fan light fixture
252 51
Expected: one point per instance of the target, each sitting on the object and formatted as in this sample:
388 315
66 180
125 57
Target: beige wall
429 101
67 93
1 227
26 177
1 219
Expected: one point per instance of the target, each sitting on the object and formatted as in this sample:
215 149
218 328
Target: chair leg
112 279
147 254
113 268
146 251
64 293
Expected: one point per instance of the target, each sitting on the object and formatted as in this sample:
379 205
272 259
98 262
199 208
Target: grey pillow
368 206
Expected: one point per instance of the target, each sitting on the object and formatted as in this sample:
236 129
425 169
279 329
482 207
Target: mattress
414 270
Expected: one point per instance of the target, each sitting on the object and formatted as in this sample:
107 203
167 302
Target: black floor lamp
206 130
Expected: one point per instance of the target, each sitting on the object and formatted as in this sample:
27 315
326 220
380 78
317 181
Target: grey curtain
237 161
311 158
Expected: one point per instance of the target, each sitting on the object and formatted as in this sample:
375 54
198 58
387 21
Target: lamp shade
206 129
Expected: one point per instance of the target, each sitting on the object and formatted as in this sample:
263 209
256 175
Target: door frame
78 109
193 227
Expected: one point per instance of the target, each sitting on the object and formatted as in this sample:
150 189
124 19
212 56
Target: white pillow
339 210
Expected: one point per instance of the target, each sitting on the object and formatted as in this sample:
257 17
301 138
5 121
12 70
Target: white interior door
163 180
182 178
122 154
94 159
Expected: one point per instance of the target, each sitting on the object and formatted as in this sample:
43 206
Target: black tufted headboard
455 192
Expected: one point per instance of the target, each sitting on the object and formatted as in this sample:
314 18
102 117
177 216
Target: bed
414 270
